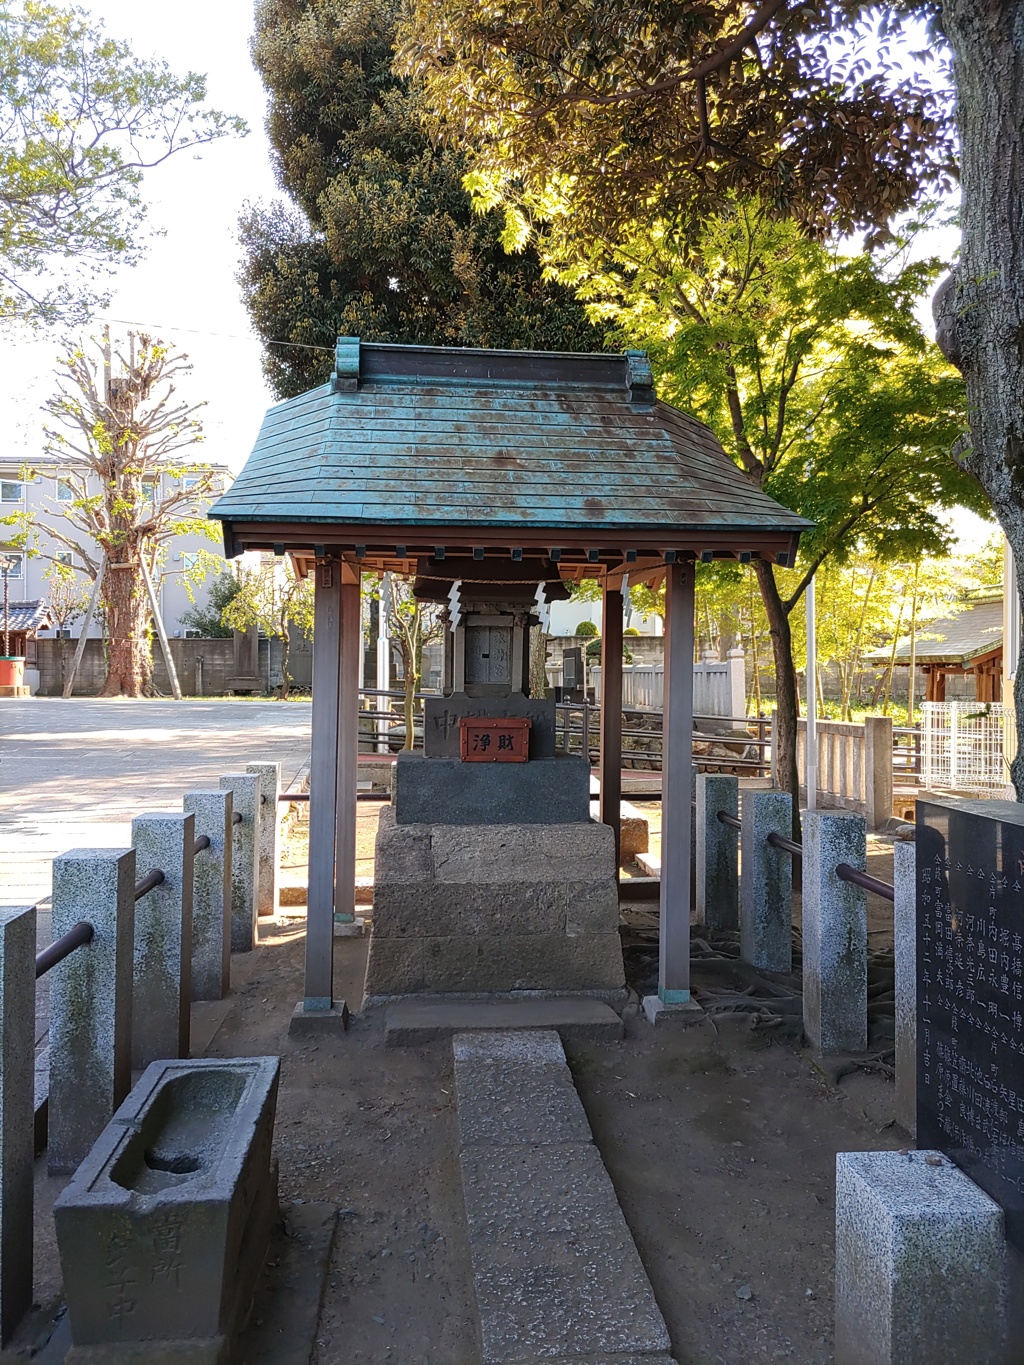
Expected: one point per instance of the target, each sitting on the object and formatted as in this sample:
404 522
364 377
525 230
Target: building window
193 634
190 481
65 557
151 490
65 493
11 490
17 563
189 560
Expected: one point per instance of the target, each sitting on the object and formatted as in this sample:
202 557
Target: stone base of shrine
492 910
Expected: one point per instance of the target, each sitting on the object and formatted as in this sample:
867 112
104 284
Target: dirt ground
721 1144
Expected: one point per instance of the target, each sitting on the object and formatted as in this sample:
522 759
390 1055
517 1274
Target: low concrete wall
203 666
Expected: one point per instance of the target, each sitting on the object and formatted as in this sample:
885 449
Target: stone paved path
74 773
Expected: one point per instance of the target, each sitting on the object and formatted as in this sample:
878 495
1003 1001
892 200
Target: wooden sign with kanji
494 739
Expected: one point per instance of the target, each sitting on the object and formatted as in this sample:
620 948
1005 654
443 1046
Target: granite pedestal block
17 1036
835 933
905 945
269 823
162 951
920 1263
766 882
163 1231
493 909
717 852
443 714
245 802
446 791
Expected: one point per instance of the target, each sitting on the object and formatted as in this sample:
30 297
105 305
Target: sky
184 290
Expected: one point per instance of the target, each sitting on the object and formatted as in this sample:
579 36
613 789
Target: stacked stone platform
488 910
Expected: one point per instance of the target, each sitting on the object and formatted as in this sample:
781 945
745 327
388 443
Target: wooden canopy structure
563 465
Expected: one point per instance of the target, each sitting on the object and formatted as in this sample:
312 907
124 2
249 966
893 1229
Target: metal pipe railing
730 820
76 937
154 877
202 842
787 845
236 817
846 873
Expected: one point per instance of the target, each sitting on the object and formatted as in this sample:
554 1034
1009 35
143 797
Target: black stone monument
970 993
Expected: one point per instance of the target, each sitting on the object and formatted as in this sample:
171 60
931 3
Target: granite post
90 1000
245 801
766 882
835 933
269 775
211 897
717 852
920 1263
17 1036
162 952
905 945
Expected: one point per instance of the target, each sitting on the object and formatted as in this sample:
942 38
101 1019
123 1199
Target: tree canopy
81 120
653 110
379 239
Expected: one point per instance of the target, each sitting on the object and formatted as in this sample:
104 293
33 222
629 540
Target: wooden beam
676 781
348 753
323 787
611 715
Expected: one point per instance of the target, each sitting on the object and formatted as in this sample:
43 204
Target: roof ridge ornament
346 365
639 379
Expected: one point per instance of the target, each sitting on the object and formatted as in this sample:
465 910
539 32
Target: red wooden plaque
494 739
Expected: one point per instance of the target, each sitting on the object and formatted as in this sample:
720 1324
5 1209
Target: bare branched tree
117 428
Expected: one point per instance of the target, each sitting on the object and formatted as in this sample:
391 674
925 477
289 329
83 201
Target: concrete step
576 1019
556 1274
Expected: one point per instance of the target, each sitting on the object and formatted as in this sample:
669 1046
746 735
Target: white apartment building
41 496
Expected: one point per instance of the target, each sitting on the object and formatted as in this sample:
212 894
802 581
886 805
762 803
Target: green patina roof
419 436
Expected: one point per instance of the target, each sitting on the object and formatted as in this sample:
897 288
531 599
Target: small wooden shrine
492 479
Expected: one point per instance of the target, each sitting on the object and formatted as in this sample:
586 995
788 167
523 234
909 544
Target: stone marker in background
90 1000
920 1263
17 1036
766 882
717 848
245 801
211 899
162 951
269 775
970 993
835 933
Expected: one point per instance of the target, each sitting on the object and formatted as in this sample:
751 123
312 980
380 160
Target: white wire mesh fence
963 747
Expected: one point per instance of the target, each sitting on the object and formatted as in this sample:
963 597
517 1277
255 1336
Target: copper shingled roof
410 436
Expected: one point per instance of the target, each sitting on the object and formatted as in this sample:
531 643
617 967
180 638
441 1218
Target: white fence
718 686
854 766
962 747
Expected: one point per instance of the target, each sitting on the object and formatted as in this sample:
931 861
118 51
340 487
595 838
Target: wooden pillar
676 779
611 714
348 746
323 786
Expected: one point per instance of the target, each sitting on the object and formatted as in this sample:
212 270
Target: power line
226 336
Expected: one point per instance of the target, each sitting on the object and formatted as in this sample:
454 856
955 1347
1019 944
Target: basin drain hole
180 1163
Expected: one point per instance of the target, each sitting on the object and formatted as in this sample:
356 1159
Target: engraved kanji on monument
970 993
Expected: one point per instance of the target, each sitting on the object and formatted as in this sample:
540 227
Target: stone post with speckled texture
90 1001
211 895
245 798
269 824
717 852
920 1263
904 861
17 1029
766 882
162 988
835 933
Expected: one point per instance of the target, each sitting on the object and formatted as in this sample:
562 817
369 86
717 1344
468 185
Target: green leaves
81 120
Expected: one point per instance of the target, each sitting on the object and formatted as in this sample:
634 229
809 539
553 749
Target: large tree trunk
126 609
981 319
786 698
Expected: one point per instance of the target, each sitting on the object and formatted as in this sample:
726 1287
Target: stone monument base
485 910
